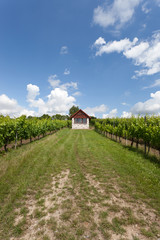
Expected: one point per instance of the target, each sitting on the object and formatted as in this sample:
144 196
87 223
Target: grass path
77 184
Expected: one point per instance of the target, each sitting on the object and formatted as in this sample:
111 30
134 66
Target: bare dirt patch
66 212
116 212
41 211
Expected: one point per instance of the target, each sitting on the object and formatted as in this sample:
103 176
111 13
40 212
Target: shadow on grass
11 146
151 158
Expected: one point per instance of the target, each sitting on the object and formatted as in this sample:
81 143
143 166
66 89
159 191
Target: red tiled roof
80 110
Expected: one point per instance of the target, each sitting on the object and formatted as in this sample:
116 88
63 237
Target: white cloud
144 26
54 81
114 46
77 94
145 54
155 84
41 105
98 109
151 106
136 51
126 114
127 93
118 13
64 50
145 9
33 91
111 114
100 41
7 103
124 104
10 106
148 56
73 85
158 2
58 100
26 112
66 71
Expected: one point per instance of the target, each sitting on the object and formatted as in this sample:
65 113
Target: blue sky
103 56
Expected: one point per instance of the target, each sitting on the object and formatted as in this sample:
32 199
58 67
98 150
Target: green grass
26 173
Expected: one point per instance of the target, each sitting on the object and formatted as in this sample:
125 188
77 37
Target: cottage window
80 120
84 120
75 120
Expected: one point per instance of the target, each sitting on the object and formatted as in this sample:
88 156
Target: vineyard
78 185
21 128
145 130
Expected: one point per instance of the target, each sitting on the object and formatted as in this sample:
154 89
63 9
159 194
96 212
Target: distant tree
73 110
92 117
29 117
65 117
45 116
60 117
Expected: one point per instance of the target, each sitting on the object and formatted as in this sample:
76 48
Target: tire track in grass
51 209
55 220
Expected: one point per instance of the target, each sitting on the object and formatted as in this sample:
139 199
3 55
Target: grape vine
21 128
144 130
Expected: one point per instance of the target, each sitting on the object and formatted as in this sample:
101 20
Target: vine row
145 130
21 128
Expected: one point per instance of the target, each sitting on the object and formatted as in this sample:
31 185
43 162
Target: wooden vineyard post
113 131
16 141
145 146
126 139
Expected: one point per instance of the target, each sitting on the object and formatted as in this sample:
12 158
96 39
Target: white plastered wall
80 125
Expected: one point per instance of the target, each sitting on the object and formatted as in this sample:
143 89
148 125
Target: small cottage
80 120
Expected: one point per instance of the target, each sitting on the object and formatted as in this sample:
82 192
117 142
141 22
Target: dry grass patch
41 221
117 217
